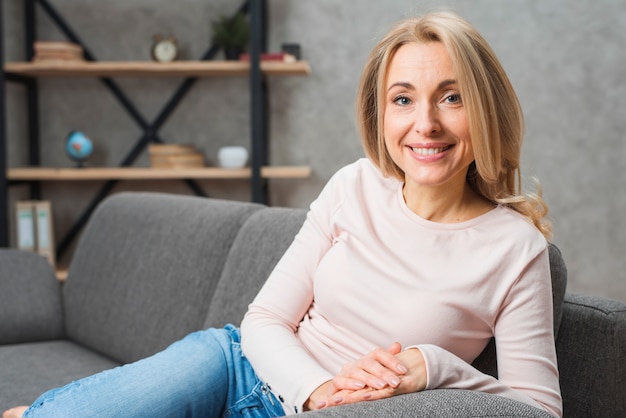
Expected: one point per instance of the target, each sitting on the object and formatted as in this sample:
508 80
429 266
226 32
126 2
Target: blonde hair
495 117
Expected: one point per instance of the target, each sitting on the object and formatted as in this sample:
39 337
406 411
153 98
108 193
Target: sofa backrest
145 270
30 299
260 243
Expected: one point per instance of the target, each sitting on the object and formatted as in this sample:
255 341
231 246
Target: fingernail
401 368
394 381
337 400
379 384
360 385
321 404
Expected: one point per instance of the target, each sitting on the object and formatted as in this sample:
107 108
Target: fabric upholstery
591 349
28 370
256 250
30 298
447 403
144 270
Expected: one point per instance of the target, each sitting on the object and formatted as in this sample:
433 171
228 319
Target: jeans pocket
260 403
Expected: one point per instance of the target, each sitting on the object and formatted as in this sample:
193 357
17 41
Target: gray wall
565 59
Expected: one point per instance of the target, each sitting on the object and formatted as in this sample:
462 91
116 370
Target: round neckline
439 225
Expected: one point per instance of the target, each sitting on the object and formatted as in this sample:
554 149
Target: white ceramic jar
232 157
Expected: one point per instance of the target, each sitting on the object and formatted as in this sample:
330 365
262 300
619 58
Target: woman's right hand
319 397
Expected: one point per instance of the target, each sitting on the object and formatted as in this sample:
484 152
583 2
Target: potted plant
231 33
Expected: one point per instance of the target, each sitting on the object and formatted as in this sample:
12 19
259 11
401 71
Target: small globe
78 147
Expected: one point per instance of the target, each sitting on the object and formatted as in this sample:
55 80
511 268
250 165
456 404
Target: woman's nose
426 120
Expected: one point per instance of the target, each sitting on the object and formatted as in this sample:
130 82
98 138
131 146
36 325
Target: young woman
408 263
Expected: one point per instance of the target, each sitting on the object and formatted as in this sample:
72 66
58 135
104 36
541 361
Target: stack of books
175 156
57 51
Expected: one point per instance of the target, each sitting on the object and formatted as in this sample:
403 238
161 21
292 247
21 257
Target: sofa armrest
30 298
440 403
591 350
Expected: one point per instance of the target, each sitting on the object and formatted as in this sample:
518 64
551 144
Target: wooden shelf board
147 173
150 68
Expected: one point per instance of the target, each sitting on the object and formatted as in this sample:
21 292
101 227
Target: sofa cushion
145 270
259 245
28 370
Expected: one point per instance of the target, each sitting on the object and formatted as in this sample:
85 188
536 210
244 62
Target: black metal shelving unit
257 12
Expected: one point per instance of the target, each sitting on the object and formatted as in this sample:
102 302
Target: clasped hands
380 374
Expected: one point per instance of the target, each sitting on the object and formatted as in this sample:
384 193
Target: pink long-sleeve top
365 271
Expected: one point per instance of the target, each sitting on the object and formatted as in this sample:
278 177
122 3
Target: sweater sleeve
270 325
526 354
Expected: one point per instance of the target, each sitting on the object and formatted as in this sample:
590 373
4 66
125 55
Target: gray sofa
150 268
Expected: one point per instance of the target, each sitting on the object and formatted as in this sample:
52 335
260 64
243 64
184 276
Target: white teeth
427 151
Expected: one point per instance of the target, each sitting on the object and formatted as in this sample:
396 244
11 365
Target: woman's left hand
413 380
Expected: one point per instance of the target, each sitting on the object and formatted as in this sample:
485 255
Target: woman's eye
453 98
402 100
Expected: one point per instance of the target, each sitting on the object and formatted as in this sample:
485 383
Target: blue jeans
203 375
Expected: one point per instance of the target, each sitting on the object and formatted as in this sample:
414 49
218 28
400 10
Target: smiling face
425 124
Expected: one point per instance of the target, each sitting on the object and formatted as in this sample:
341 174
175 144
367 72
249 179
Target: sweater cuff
306 390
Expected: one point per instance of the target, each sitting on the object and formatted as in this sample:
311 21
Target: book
57 46
271 56
45 236
25 226
56 56
34 228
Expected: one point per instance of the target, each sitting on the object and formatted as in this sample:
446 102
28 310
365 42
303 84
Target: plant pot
232 53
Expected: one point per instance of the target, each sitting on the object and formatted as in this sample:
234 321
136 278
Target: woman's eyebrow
446 83
407 85
404 84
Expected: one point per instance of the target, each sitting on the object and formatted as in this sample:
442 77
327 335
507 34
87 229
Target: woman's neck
445 204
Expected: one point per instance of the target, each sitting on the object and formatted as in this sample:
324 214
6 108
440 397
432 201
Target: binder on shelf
25 225
45 236
34 228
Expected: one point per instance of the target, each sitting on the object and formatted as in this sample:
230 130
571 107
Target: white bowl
232 157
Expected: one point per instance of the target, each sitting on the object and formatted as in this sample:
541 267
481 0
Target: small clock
164 49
